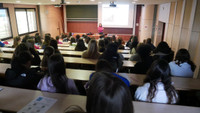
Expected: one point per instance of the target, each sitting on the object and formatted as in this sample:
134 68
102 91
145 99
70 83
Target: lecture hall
99 56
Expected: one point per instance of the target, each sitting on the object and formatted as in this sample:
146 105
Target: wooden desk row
75 60
135 79
72 53
14 99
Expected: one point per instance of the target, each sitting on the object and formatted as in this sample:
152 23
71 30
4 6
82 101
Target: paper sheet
39 105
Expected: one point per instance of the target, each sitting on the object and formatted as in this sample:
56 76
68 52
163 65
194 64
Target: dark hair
54 44
184 56
101 45
148 40
72 40
30 43
113 38
112 56
26 37
103 65
24 57
163 47
20 48
144 51
92 49
160 71
80 45
16 41
47 40
87 40
108 94
38 39
77 38
56 67
48 51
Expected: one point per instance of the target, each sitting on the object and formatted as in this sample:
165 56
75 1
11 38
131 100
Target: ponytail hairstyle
56 67
160 72
184 56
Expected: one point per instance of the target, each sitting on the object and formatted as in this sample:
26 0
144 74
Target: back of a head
57 37
20 48
108 94
24 57
30 43
144 50
182 55
111 50
48 51
159 70
54 44
56 68
87 40
80 44
148 40
72 40
101 43
92 47
163 47
103 65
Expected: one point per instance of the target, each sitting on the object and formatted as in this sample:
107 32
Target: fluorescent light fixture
92 0
53 0
135 0
38 3
18 1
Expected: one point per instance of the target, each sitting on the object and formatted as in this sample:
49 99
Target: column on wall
146 22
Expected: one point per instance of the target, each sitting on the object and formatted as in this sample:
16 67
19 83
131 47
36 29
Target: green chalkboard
82 11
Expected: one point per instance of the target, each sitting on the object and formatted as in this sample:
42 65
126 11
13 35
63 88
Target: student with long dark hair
16 41
182 66
92 51
101 46
48 51
113 57
108 94
47 40
54 44
56 79
80 45
157 86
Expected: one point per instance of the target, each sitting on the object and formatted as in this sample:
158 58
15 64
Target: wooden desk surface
75 60
14 99
72 53
136 79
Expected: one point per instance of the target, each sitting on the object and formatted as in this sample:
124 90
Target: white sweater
160 94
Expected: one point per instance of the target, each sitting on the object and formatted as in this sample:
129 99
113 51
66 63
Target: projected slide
115 16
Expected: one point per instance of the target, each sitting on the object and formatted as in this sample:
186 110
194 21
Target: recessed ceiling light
135 0
38 3
92 0
53 0
67 2
18 1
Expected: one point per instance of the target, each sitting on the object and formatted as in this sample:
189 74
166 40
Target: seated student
36 59
48 51
80 46
47 40
87 40
163 51
21 75
16 41
101 46
119 42
38 39
56 79
92 51
26 37
135 56
103 65
133 44
57 39
182 66
54 44
146 60
73 41
114 58
149 43
157 86
77 38
108 94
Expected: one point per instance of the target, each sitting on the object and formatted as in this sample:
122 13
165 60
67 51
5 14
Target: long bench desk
135 79
75 60
14 99
71 53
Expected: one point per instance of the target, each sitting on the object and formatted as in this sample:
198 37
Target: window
5 29
26 21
